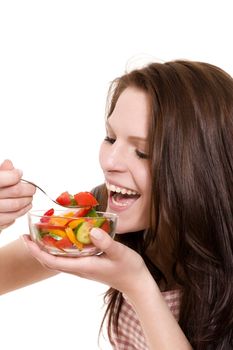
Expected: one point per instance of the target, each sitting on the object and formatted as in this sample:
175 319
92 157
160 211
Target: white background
57 59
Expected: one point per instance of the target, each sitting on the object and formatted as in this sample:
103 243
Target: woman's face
124 160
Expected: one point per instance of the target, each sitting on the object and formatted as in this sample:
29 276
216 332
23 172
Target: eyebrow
138 138
132 138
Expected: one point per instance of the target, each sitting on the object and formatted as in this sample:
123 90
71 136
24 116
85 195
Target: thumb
7 165
105 243
8 174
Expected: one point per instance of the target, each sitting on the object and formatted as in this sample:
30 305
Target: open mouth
121 197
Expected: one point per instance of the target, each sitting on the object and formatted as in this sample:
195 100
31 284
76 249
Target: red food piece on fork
85 199
64 199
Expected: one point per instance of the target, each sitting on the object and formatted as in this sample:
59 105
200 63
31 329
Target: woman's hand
123 269
15 196
119 266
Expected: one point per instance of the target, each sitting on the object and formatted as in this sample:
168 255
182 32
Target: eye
109 139
141 155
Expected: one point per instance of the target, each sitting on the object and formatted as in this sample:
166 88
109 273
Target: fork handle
32 183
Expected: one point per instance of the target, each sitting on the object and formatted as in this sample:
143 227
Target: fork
53 200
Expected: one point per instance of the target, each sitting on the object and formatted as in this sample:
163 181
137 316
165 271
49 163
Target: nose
113 157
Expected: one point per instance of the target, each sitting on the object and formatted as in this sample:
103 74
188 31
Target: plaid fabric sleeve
130 335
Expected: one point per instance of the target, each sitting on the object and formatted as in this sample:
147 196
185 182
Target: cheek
144 179
102 155
144 202
138 216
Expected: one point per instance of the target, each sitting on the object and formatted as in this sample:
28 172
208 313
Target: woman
168 164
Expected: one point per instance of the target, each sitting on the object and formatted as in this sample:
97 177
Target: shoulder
173 300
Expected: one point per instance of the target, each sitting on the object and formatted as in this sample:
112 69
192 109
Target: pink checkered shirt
130 336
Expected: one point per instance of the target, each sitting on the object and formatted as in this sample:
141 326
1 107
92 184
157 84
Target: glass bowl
66 232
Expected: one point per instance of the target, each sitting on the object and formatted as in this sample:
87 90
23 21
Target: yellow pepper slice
72 238
75 223
69 214
58 232
58 221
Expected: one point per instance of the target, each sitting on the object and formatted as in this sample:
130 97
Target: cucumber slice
92 213
58 238
82 233
98 222
83 229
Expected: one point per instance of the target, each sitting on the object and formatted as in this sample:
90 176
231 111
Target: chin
121 229
124 225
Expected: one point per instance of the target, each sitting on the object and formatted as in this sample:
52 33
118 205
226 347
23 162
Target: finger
7 165
7 218
2 227
21 189
35 251
78 266
14 204
105 243
10 177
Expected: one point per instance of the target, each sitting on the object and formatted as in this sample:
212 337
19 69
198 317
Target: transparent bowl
66 232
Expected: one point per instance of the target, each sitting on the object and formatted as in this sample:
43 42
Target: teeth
117 189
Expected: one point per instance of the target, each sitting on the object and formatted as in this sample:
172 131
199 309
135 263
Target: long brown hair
191 152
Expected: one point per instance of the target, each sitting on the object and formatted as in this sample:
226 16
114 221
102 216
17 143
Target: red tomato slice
79 214
85 199
46 217
82 212
64 198
48 240
64 243
46 226
106 226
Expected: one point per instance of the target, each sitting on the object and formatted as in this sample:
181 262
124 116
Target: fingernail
97 234
20 172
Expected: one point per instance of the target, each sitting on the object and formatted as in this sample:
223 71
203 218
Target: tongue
124 198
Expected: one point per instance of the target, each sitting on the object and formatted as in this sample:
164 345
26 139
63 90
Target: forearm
159 325
18 268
